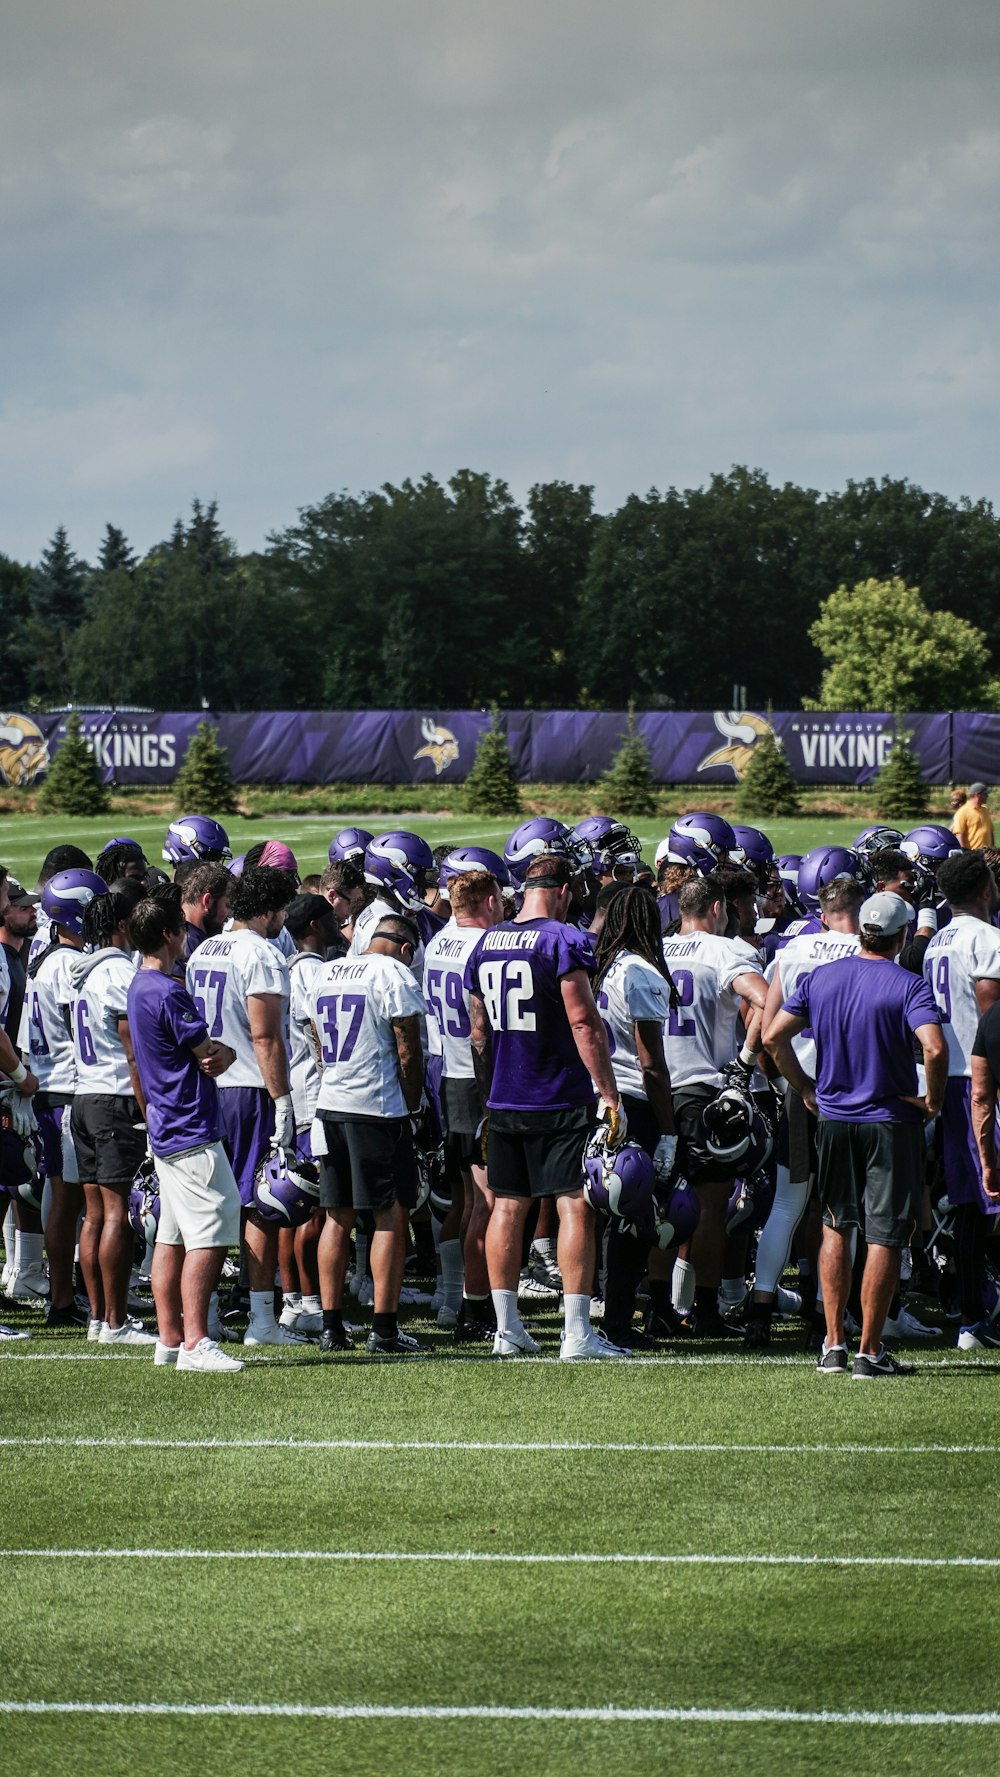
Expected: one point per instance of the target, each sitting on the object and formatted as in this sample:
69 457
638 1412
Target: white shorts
199 1199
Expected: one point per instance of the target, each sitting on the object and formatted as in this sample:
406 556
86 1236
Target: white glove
22 1117
664 1155
284 1123
317 1139
614 1122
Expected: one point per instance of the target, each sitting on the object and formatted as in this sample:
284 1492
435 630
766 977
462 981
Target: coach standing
864 1014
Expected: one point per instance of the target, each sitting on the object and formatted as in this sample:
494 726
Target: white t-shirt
448 1025
221 975
364 932
966 951
284 944
632 991
800 957
701 1033
100 998
353 1002
45 1032
304 1068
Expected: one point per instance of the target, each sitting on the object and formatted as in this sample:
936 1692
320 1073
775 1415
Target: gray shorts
871 1176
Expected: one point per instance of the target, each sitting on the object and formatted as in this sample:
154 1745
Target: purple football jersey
182 1103
862 1015
516 969
668 910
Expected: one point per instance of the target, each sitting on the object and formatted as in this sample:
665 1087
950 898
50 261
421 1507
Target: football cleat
395 1345
132 1332
533 1287
582 1350
982 1337
29 1285
905 1325
332 1339
516 1342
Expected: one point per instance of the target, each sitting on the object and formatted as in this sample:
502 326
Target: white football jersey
45 1040
966 951
632 991
221 974
100 998
284 944
448 1025
364 932
304 1068
4 984
353 1003
702 1034
799 957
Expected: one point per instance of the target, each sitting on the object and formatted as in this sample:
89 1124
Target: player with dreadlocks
635 995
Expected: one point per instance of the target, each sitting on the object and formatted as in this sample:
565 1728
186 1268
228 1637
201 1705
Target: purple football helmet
283 1193
708 831
619 1181
196 836
466 858
750 1200
929 845
534 836
615 846
122 839
754 852
144 1203
683 849
349 846
873 839
788 869
737 1133
66 897
675 1214
822 865
398 861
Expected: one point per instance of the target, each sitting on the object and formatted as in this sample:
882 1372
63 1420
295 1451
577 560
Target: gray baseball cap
978 790
885 914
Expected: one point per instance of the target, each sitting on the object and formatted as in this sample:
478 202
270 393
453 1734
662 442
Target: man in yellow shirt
973 824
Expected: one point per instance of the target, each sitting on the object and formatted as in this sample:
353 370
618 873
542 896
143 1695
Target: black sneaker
631 1338
332 1340
757 1332
66 1317
667 1325
396 1345
833 1362
713 1326
473 1329
866 1367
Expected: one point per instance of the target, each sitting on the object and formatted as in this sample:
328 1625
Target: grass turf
264 1631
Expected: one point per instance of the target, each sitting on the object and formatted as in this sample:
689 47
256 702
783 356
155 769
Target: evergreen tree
768 787
900 792
491 787
73 784
116 552
203 784
59 597
627 786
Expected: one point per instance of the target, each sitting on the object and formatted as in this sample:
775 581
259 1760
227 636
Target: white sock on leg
576 1316
682 1286
262 1308
452 1273
507 1312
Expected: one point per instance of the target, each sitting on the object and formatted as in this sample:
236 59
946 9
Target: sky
261 250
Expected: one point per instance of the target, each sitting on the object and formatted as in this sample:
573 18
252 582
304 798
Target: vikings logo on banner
441 747
742 731
23 751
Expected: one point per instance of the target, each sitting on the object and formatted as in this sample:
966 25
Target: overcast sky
259 251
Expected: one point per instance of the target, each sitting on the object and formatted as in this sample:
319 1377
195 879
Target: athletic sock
659 1297
291 1299
507 1313
385 1325
262 1308
576 1316
360 1254
311 1305
333 1320
682 1286
732 1290
706 1301
452 1272
28 1250
214 1323
545 1246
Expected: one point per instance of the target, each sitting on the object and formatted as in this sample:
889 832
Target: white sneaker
907 1326
13 1333
308 1322
132 1333
29 1285
205 1356
516 1343
166 1354
94 1331
573 1351
263 1335
447 1317
540 1292
597 1307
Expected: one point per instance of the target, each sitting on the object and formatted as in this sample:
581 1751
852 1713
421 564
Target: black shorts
538 1153
642 1124
698 1166
369 1163
871 1175
109 1138
462 1113
801 1139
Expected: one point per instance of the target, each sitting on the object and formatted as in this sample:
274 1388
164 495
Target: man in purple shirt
177 1063
540 1049
864 1013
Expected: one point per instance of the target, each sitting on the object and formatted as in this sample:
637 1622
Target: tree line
451 595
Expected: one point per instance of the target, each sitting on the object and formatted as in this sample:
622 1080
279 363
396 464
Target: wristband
18 1074
746 1057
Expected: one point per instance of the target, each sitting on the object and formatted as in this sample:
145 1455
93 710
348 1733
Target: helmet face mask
286 1192
929 845
541 834
398 861
619 1181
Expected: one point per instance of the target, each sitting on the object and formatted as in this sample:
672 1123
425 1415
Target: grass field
25 839
698 1562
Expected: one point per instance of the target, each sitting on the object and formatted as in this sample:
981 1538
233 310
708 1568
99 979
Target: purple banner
555 746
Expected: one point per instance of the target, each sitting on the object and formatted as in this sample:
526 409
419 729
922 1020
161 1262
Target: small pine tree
204 784
900 794
768 787
72 784
491 786
627 786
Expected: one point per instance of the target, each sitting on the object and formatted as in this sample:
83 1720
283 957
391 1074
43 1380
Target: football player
312 922
239 981
204 902
196 838
61 857
396 866
24 1275
343 885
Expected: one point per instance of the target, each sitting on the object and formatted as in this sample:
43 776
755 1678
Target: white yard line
861 1718
491 1557
514 1446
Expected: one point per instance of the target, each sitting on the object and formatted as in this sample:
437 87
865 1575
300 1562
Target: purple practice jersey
862 1015
668 910
516 969
182 1103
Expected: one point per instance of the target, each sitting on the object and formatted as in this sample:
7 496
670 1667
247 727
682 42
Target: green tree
204 783
560 530
115 552
768 787
59 597
900 794
884 650
628 785
491 787
15 657
73 785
